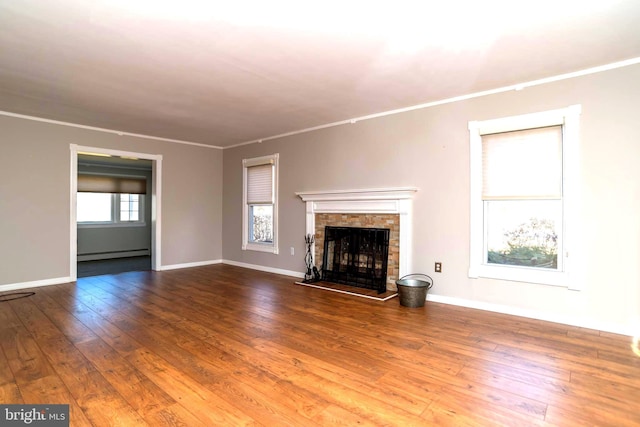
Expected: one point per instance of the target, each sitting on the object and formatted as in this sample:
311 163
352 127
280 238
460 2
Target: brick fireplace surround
382 208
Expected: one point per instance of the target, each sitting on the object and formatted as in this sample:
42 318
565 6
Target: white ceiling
226 72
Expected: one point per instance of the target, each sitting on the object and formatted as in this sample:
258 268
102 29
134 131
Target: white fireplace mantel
367 201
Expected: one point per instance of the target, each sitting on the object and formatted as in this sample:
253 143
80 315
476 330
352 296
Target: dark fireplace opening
356 256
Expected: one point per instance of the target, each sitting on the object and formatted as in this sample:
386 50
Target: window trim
262 246
569 118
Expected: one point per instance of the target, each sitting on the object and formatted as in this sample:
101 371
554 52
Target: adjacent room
113 214
337 213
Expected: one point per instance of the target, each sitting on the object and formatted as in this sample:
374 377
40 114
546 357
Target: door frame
156 202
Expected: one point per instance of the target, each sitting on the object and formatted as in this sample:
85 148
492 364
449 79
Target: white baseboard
188 265
535 314
35 284
615 328
291 273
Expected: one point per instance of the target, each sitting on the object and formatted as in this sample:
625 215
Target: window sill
260 247
111 224
520 274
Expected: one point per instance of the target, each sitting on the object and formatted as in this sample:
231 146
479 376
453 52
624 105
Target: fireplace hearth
356 256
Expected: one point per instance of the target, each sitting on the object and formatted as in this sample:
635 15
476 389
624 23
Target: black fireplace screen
356 256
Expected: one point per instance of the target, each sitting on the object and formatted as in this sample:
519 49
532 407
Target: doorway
114 227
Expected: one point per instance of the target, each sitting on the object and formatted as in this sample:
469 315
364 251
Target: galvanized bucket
413 292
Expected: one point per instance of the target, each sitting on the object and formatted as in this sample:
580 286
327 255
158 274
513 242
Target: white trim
264 268
523 121
616 328
569 117
573 252
377 200
390 193
73 208
156 214
272 159
189 265
156 203
475 209
258 161
260 247
35 284
117 132
519 86
356 206
311 285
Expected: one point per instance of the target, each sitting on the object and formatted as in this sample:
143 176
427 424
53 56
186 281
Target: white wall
429 149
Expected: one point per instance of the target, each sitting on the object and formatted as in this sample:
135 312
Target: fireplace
358 220
370 208
356 256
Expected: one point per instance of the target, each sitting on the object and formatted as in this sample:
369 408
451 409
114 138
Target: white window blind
260 184
523 164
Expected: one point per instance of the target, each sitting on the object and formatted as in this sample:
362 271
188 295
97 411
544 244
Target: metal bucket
413 292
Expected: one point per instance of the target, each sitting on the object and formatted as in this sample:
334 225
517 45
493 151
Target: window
103 209
95 207
260 204
521 188
129 207
106 200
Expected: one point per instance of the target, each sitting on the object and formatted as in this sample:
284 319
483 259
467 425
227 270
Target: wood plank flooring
113 266
225 346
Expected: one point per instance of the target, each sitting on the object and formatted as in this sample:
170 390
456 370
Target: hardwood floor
113 266
221 345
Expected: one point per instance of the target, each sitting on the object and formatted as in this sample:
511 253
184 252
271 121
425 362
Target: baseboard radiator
113 254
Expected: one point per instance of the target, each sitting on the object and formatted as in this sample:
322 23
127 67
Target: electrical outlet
438 267
293 251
